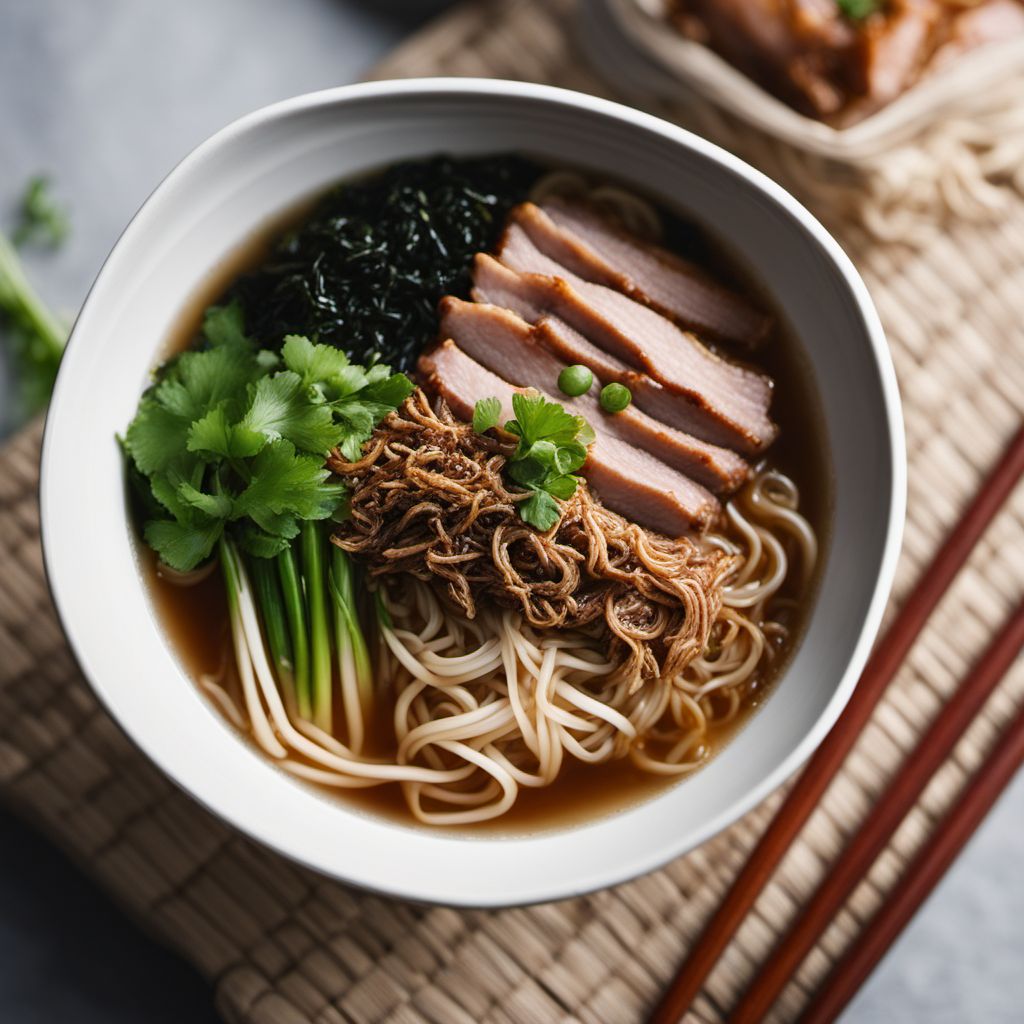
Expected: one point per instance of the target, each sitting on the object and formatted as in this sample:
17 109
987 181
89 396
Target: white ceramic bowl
262 165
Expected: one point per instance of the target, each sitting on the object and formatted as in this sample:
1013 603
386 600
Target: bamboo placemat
283 945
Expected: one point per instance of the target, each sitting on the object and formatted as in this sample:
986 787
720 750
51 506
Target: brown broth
196 618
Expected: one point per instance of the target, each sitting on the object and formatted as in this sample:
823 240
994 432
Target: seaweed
365 271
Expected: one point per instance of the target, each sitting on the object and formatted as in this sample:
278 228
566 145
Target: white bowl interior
262 165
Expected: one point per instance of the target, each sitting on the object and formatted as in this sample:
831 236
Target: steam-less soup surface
512 634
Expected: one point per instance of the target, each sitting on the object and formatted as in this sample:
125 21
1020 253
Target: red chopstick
921 876
846 873
822 767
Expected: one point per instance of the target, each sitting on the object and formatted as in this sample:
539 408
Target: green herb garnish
857 10
35 336
486 414
552 447
227 442
42 219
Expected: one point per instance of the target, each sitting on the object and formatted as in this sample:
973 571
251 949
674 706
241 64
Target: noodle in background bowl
264 164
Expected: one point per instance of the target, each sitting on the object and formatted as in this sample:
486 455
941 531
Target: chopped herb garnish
486 414
229 442
552 447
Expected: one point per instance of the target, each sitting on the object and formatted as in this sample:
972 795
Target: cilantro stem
295 611
273 614
37 333
353 657
228 566
19 299
315 578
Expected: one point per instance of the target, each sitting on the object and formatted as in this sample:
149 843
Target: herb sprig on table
42 218
552 447
34 336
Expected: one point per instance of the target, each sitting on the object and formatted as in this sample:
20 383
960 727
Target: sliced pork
572 347
588 245
627 480
502 287
638 335
513 349
726 404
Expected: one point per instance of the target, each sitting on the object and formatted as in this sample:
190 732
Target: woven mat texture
282 945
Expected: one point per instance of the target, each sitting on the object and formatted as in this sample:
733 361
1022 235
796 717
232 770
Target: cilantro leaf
390 391
563 487
537 419
552 447
261 544
183 546
166 486
216 506
197 381
540 510
528 472
486 414
359 417
281 409
213 435
362 411
224 326
156 437
279 524
570 457
314 363
285 482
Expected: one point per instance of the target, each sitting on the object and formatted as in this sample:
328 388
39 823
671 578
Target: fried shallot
429 498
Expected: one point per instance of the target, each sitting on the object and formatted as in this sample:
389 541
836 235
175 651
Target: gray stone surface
106 95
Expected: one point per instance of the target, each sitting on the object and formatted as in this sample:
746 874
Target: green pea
575 380
615 397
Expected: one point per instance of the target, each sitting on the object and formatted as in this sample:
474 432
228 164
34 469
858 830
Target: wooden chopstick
921 876
822 767
846 873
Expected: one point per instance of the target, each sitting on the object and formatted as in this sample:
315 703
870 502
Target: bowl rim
407 886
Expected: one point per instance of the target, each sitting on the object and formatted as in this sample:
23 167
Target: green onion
575 380
295 610
274 617
615 397
353 657
315 578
